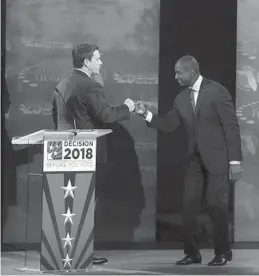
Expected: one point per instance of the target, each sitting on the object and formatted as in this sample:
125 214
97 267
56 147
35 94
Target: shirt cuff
130 107
234 162
149 116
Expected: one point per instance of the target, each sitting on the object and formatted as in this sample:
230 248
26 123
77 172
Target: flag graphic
67 222
54 150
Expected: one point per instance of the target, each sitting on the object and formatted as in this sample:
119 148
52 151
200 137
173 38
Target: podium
68 197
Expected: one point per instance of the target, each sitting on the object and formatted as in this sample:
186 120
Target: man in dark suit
79 102
205 108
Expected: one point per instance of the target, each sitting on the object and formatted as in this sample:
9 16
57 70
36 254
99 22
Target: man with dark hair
79 102
81 52
206 110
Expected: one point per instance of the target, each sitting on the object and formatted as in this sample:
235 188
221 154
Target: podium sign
69 155
68 197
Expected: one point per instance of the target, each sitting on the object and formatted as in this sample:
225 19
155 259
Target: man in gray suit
80 103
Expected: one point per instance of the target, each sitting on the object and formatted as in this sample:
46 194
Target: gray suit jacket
79 102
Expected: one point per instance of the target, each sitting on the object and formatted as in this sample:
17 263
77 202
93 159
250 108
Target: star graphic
67 261
69 189
68 216
67 240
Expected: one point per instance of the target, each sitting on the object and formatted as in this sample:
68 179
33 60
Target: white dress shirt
196 88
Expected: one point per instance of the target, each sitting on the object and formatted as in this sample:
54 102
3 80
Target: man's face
183 74
95 64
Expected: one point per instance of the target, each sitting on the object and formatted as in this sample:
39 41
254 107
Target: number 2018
76 153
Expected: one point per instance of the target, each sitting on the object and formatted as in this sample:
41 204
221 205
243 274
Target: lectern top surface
38 136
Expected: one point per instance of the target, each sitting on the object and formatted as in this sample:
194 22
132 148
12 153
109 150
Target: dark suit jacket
82 103
214 127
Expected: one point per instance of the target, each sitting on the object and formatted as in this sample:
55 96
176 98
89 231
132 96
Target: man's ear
86 62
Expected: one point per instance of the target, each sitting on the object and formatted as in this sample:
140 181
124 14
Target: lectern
68 197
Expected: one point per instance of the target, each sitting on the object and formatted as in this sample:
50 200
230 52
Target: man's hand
235 171
140 108
130 104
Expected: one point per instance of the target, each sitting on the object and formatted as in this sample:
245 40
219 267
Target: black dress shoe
190 259
221 259
99 261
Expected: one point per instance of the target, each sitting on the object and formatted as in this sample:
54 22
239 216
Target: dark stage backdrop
247 189
205 29
40 37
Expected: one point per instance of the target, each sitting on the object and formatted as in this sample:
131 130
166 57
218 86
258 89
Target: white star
51 148
69 189
55 153
67 240
68 216
67 261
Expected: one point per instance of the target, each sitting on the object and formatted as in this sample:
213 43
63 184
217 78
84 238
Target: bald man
205 108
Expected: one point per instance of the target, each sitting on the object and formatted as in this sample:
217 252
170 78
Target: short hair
189 62
81 52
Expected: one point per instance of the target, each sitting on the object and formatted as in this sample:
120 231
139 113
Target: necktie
192 99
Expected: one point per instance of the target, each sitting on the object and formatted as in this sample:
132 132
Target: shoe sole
188 263
100 263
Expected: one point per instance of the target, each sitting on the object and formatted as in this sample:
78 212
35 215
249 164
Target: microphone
74 133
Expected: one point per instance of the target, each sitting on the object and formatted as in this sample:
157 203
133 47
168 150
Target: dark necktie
192 99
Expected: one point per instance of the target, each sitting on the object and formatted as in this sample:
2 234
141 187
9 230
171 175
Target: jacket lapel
188 106
202 92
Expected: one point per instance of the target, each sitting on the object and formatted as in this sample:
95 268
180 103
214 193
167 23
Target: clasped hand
140 108
135 106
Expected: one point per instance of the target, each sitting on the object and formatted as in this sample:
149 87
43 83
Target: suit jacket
213 128
79 102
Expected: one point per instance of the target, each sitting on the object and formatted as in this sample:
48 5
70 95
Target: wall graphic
40 37
247 99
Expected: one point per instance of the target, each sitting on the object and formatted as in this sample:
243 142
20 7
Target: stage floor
141 262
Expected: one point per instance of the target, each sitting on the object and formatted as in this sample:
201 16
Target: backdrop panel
40 38
206 30
247 99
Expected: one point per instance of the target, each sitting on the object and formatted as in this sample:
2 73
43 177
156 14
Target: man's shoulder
94 85
88 87
214 84
86 80
75 80
62 83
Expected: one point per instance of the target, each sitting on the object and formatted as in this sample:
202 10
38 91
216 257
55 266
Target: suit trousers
217 194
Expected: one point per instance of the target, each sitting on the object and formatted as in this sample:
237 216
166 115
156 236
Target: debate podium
68 197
